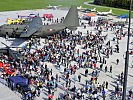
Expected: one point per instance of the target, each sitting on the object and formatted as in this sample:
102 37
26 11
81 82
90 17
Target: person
69 81
111 69
100 60
56 85
106 85
49 96
67 97
78 93
95 96
117 61
94 65
86 72
38 92
73 89
29 96
117 91
66 83
101 65
117 48
51 71
130 93
103 94
79 77
86 88
105 69
56 77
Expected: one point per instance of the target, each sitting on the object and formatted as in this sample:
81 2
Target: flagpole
127 56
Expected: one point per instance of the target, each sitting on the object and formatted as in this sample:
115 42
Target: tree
97 2
114 3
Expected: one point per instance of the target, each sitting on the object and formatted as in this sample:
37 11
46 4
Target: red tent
48 16
8 70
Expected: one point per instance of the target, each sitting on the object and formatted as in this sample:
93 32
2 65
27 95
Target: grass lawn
9 5
116 11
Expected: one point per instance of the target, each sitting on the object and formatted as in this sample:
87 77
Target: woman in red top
94 65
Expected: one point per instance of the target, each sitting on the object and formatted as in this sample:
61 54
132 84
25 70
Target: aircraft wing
33 27
29 33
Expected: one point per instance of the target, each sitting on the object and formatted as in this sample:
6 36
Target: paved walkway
7 94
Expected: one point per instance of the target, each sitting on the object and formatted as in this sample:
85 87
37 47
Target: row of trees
114 3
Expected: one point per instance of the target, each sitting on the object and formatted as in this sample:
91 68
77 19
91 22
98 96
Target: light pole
127 56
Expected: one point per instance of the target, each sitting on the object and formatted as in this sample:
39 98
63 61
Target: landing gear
7 36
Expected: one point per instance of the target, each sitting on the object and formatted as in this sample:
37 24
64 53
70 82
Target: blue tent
17 79
24 87
123 16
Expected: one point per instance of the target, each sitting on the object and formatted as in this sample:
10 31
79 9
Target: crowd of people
63 52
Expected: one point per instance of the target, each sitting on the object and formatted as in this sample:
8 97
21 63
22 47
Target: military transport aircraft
37 29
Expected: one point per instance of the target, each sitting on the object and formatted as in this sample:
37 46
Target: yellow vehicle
16 21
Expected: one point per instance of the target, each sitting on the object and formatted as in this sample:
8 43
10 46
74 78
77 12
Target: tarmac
7 94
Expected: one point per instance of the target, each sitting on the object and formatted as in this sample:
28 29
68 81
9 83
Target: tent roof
48 15
24 86
17 79
123 16
90 14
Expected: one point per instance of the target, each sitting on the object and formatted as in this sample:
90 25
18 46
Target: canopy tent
48 16
90 14
27 16
17 79
24 87
7 68
123 16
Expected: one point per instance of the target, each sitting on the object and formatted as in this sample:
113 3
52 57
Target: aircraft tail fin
79 7
110 11
72 21
94 9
